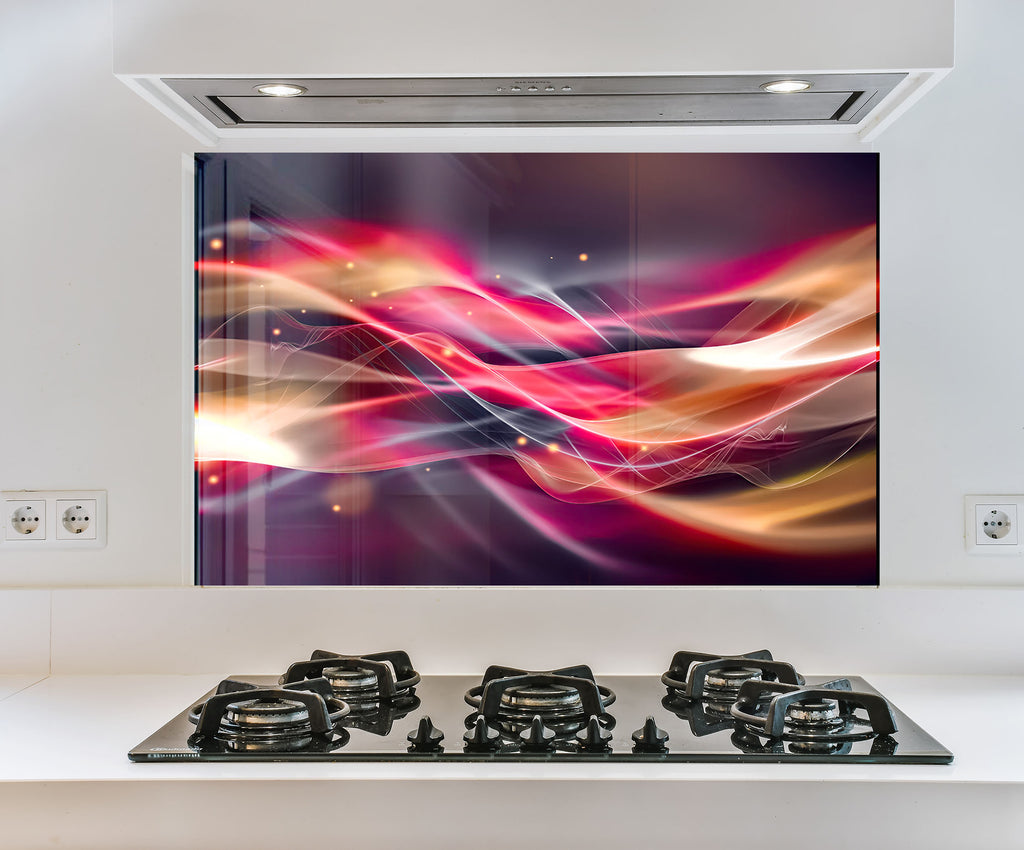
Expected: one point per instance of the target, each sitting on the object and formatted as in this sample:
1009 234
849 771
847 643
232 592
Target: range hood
648 66
536 101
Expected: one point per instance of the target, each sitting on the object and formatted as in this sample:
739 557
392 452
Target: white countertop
60 751
10 685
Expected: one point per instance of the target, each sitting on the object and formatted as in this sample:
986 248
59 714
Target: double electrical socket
991 525
54 519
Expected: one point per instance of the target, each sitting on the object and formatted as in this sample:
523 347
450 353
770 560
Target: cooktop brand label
163 753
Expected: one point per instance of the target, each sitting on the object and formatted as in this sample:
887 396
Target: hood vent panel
537 102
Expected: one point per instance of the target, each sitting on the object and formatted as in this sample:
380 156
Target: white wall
90 295
952 305
324 38
93 357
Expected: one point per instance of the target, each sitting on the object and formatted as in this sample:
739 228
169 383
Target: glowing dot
469 312
231 261
336 508
428 469
213 479
522 441
216 244
390 308
373 294
303 309
350 300
497 277
447 352
552 447
350 265
643 448
277 332
550 258
584 257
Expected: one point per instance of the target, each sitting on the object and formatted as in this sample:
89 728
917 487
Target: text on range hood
684 100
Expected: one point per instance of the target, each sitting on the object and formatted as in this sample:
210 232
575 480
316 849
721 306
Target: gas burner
717 679
364 681
563 699
813 718
242 717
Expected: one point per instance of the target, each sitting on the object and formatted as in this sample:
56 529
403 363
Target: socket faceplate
76 519
46 523
991 525
24 520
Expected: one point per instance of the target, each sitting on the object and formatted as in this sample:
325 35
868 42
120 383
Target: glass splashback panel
536 369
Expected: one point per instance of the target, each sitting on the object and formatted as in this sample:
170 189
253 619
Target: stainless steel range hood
478 66
537 101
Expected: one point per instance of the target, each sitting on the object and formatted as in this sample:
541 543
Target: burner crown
568 695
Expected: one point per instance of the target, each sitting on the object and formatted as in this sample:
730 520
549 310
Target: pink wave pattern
369 350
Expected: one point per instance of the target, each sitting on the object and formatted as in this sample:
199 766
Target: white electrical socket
991 525
76 519
54 519
24 519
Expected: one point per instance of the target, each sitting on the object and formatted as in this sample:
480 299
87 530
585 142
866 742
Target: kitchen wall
95 362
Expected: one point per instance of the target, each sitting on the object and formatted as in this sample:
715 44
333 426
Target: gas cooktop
704 708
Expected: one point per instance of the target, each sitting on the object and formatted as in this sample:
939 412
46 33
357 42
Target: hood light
786 86
280 90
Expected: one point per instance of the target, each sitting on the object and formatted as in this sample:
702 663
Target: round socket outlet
76 519
996 524
25 520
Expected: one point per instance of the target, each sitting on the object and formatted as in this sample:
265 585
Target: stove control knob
595 738
650 739
481 737
427 737
538 738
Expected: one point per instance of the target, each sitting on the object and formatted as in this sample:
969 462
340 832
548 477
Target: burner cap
348 681
563 698
728 679
821 716
268 714
265 723
546 700
383 677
